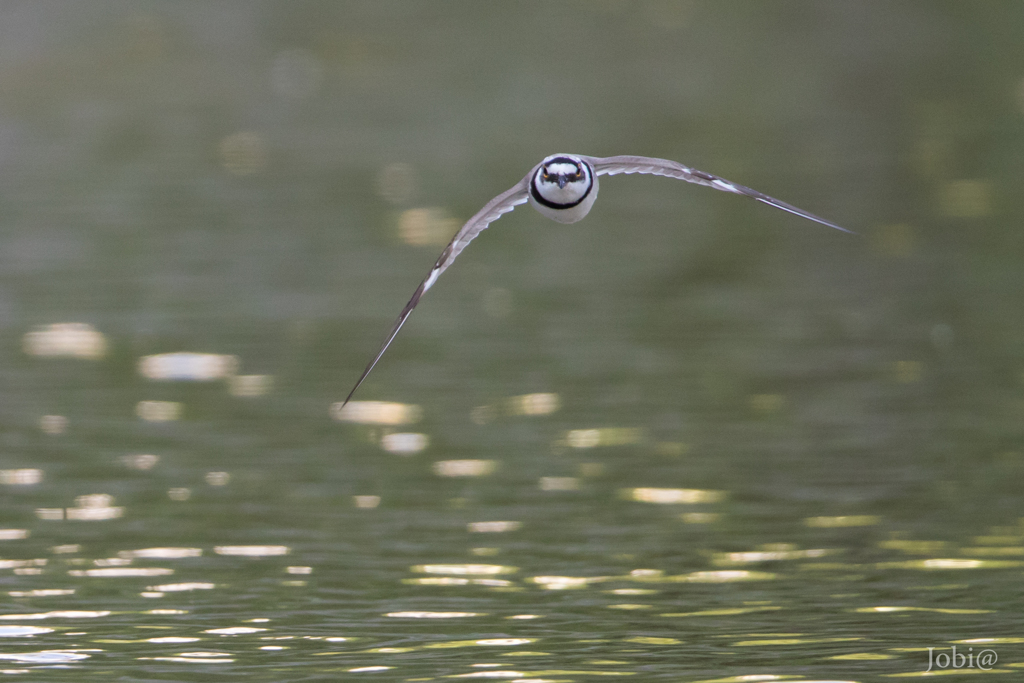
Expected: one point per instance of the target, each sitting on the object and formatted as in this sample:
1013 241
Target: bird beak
562 180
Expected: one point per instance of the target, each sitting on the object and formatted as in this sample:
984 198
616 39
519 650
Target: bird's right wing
492 211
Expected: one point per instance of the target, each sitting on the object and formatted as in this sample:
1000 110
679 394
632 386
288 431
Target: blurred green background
715 421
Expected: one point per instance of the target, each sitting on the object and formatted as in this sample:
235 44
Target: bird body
563 187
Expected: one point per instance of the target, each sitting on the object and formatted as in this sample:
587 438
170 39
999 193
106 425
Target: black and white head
563 188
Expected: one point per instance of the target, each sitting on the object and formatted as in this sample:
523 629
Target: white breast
570 214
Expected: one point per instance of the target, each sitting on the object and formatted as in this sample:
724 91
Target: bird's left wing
492 211
672 169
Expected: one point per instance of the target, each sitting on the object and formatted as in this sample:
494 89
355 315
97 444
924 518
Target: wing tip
789 208
348 398
838 227
353 392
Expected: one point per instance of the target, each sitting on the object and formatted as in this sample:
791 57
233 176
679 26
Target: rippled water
689 438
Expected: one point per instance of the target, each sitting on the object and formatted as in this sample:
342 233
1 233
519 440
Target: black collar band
554 205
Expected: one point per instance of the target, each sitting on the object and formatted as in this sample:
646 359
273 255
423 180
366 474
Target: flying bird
563 187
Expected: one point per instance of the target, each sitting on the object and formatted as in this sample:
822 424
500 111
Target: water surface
689 438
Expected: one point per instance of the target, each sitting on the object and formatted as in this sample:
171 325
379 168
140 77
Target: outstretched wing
671 169
492 211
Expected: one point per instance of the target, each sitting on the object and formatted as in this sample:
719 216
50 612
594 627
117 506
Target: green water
690 438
